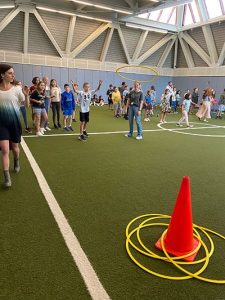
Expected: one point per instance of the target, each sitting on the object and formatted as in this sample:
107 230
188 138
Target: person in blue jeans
47 99
135 105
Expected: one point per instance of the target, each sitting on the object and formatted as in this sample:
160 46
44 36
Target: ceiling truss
170 40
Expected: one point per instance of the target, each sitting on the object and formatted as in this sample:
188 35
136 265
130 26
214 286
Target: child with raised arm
185 110
84 98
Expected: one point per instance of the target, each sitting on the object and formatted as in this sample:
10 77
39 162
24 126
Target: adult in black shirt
194 98
135 105
37 99
109 94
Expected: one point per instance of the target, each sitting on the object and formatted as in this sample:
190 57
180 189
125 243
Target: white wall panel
83 28
11 38
116 52
58 25
38 41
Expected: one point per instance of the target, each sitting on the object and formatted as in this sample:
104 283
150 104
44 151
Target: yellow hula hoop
156 73
149 220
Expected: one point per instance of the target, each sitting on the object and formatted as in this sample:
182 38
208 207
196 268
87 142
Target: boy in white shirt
84 98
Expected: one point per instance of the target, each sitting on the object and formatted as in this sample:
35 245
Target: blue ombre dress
10 125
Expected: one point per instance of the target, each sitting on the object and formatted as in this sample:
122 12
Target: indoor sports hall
112 149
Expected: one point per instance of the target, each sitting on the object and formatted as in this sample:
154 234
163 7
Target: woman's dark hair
52 82
3 69
187 96
178 92
153 88
35 79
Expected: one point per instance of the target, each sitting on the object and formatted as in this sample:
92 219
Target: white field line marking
208 126
92 133
120 132
90 278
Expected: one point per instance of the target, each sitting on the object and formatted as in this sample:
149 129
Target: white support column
175 53
156 47
166 52
187 53
192 43
26 32
89 39
124 44
47 31
139 45
9 18
70 34
207 31
106 44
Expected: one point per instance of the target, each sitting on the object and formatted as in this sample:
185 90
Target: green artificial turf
102 184
34 261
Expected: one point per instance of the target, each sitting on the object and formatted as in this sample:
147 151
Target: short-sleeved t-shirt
10 102
148 99
38 97
136 98
187 104
85 100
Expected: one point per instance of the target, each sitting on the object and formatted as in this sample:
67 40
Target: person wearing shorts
116 98
11 97
37 99
68 107
84 98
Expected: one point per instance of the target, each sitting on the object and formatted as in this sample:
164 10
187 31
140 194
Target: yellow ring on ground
167 257
156 73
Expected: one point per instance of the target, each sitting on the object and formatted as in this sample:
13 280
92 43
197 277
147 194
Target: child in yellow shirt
116 99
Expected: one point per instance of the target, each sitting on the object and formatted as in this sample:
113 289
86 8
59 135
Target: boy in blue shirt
148 106
68 106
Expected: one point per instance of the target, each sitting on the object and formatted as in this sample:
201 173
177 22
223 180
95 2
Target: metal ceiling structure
115 15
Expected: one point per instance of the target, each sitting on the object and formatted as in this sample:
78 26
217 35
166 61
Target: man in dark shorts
109 94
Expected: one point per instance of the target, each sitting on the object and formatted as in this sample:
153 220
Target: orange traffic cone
179 239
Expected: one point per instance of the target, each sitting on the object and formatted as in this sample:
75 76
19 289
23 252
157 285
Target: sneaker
28 130
39 133
82 138
7 179
42 131
47 128
206 121
128 135
179 125
146 119
16 165
59 125
55 126
85 134
70 128
66 129
139 137
190 126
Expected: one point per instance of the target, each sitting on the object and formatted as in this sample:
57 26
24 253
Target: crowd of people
125 101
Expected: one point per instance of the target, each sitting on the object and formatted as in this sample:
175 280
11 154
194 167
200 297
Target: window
213 8
165 14
173 18
195 11
188 19
154 15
